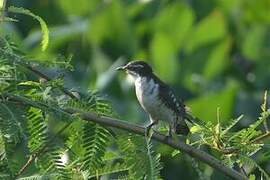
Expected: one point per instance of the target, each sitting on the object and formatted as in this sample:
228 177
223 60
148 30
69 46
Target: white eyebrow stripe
137 65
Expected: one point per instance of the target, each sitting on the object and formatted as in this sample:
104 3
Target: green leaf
209 30
8 19
142 161
95 140
1 4
180 17
44 28
39 177
164 57
175 152
154 166
30 83
218 60
38 130
80 8
252 177
167 41
111 29
256 12
196 129
108 169
253 44
250 161
10 126
232 124
50 161
205 106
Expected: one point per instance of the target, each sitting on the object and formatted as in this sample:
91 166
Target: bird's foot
147 130
169 135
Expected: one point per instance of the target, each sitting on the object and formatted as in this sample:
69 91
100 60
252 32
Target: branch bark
124 125
120 124
196 153
42 75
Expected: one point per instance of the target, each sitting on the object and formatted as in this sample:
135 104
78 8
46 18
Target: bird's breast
147 92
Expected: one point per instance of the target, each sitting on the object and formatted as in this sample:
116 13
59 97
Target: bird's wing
168 97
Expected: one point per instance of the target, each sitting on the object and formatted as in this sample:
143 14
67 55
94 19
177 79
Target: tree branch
34 70
261 138
124 125
196 153
119 124
33 157
44 76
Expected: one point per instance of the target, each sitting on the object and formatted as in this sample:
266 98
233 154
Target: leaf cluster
54 144
41 141
236 148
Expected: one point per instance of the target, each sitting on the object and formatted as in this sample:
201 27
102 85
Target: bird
157 98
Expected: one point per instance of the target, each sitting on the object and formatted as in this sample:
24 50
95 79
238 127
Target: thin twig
119 124
28 163
20 60
68 93
261 138
196 153
264 109
47 78
124 125
33 157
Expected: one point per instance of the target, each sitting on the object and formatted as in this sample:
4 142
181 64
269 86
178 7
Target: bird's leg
148 128
170 132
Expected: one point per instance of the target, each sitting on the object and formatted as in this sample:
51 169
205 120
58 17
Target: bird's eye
130 67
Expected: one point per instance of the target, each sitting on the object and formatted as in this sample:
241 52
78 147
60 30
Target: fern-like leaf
39 177
10 124
232 124
108 170
95 139
38 130
49 154
139 157
50 162
248 161
154 166
44 28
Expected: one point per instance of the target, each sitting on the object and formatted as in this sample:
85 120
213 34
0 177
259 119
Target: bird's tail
181 125
181 128
194 120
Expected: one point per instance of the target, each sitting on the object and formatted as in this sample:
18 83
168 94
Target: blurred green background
214 53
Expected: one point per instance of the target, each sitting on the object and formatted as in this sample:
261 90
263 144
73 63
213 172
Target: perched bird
157 98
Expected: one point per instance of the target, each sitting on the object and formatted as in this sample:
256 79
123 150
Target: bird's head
137 69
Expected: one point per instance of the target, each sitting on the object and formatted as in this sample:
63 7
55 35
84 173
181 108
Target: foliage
234 147
84 145
44 28
214 53
148 166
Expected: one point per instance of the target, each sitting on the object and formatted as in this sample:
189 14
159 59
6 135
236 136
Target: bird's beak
121 68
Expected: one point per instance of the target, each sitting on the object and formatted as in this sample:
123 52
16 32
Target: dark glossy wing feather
167 96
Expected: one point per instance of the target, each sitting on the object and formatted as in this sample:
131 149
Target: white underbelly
147 94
